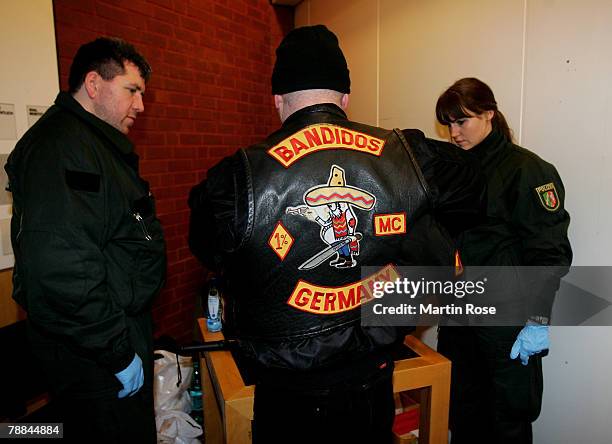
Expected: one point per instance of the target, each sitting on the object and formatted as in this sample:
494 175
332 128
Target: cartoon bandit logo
332 207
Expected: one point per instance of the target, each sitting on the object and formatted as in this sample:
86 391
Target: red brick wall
209 95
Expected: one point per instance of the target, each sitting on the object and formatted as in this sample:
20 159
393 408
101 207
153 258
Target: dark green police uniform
494 399
89 259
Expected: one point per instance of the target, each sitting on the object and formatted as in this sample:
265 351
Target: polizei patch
548 196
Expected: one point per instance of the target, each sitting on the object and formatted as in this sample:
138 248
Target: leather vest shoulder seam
250 199
415 165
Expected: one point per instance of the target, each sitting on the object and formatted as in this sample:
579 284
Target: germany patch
548 196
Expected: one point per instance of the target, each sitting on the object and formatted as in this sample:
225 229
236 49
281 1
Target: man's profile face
120 99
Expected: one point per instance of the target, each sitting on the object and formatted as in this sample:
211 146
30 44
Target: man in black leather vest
291 221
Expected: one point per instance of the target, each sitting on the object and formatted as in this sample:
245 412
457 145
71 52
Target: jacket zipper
140 221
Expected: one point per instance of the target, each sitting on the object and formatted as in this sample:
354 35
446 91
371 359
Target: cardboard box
407 413
407 438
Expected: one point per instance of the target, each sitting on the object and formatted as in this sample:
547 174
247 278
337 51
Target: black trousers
85 397
357 411
109 419
494 399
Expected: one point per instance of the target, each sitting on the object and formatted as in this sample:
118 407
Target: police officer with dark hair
290 222
89 250
496 389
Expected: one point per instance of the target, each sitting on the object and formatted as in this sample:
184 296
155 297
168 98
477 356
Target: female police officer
494 396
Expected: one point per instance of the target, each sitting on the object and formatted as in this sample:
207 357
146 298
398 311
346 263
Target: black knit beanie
310 58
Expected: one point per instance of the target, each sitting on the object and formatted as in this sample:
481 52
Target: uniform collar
493 143
117 138
304 113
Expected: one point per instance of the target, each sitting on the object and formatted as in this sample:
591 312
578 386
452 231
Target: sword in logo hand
328 252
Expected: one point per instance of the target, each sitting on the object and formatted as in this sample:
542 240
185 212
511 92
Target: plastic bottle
213 321
195 393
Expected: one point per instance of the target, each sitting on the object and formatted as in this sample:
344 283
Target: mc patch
389 224
548 196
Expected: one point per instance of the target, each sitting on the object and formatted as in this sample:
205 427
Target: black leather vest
326 196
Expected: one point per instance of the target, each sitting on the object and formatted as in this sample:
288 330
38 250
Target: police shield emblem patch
548 196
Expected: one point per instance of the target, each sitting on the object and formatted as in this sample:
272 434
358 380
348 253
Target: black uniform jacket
526 223
249 219
89 250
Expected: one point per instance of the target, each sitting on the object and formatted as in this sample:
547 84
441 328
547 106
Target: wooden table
228 402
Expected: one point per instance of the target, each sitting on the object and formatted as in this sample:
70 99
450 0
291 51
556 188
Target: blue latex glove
132 377
531 340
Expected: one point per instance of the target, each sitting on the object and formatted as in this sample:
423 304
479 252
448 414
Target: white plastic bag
172 403
177 427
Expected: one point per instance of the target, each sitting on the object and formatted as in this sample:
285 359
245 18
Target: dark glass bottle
195 392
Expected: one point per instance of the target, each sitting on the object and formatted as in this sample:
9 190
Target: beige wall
356 26
402 53
568 112
29 62
420 56
549 63
28 76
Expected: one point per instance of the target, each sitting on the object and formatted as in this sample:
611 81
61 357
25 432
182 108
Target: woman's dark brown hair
466 97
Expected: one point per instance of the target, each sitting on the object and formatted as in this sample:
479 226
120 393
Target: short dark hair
107 57
470 95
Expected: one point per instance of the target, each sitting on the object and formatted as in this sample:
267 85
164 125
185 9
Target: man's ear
279 105
92 84
344 101
278 101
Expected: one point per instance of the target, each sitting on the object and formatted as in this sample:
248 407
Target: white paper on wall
35 112
8 124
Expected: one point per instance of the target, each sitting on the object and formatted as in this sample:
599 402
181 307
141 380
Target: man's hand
132 377
531 340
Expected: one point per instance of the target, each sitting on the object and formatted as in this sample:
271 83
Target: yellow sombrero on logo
336 190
